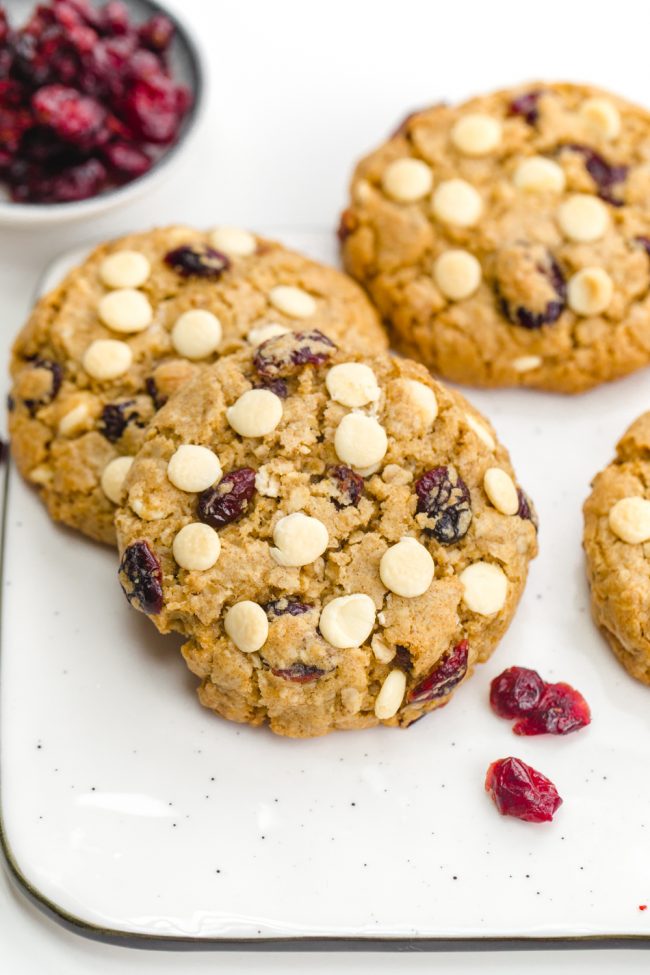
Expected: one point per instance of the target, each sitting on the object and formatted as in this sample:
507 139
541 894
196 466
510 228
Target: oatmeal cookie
617 545
507 240
135 321
339 537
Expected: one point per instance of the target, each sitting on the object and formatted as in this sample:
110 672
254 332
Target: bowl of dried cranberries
96 102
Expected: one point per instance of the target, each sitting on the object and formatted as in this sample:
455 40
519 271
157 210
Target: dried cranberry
77 182
299 673
151 108
277 386
286 605
115 417
604 174
560 711
285 355
515 692
33 405
447 673
157 33
141 578
114 17
126 160
347 486
229 500
530 285
445 499
527 509
75 118
527 106
153 391
197 259
521 791
554 709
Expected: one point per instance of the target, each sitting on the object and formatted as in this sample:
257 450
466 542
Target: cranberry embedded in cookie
500 237
339 557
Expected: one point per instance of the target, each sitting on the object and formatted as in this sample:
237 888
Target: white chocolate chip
264 332
602 116
352 384
294 302
485 588
590 291
360 441
423 400
74 421
583 218
247 625
351 699
457 273
476 134
389 700
407 180
347 621
537 174
300 539
233 242
256 413
456 201
196 333
193 468
407 568
501 491
125 310
382 651
196 546
526 363
124 269
481 431
147 505
107 359
629 519
113 477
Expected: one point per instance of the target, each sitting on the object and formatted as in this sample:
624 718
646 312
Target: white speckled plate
131 811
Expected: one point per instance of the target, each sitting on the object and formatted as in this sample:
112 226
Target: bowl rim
26 213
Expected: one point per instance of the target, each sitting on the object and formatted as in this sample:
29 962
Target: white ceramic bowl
187 68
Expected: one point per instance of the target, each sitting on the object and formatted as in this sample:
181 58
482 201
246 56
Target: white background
300 89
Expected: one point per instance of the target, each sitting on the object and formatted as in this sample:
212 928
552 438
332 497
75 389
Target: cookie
507 240
616 536
339 547
136 320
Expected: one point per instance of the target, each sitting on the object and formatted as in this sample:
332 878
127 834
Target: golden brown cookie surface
129 326
339 547
617 545
507 240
